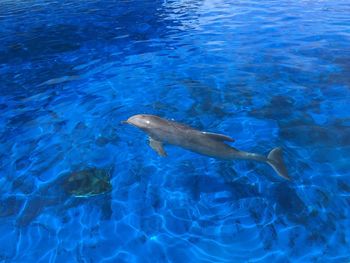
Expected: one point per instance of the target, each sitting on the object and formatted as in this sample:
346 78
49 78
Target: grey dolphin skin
162 131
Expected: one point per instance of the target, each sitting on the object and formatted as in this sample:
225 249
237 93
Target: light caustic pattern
266 73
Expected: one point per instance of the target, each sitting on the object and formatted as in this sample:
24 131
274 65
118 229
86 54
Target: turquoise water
267 73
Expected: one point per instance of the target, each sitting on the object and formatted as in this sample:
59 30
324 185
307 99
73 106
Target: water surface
268 73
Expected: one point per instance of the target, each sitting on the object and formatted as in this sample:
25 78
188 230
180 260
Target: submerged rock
87 183
62 193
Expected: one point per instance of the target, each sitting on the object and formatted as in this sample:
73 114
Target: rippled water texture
268 73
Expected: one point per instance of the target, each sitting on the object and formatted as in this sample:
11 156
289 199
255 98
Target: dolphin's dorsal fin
218 137
157 146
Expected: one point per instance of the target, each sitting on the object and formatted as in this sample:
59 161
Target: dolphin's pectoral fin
218 137
158 147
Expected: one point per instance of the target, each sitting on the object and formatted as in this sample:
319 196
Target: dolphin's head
143 121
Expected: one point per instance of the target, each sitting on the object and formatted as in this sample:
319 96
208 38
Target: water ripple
266 73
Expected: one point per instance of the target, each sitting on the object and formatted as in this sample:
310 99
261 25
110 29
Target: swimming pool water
268 73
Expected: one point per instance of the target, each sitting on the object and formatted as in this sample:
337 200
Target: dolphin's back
209 144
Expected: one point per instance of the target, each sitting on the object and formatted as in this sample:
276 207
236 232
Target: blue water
268 73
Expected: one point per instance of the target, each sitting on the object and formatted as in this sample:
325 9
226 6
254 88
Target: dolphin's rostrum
211 144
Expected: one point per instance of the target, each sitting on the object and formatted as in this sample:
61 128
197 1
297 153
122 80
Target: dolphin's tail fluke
276 161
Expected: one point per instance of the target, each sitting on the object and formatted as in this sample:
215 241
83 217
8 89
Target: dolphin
162 131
